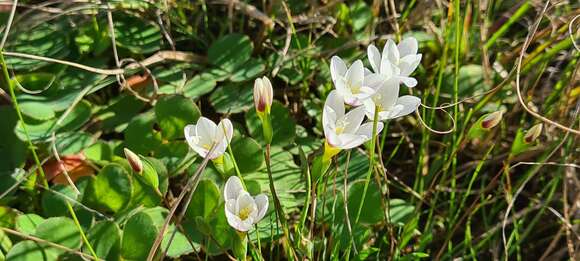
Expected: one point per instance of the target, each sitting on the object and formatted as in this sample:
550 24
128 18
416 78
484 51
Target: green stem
371 164
279 211
6 81
503 29
83 236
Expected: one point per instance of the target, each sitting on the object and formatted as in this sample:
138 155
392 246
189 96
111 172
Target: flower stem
279 211
6 80
83 236
371 163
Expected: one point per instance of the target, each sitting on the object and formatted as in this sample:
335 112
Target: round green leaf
46 40
31 251
136 34
138 236
68 143
249 70
38 81
140 136
204 200
60 230
105 238
232 98
230 51
283 125
173 112
54 204
111 189
27 223
199 85
248 153
36 110
372 211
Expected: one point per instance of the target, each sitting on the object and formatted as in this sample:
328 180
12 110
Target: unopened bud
533 133
263 94
133 160
491 120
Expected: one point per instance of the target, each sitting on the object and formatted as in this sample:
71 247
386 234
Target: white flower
390 104
205 134
342 130
243 210
396 60
263 94
350 83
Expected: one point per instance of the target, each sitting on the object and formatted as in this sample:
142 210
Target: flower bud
133 160
263 95
491 120
533 133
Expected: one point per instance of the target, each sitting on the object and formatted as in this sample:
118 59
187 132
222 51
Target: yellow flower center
340 126
245 213
355 89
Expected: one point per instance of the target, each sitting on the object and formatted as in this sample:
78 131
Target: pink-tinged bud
533 133
263 94
491 120
133 160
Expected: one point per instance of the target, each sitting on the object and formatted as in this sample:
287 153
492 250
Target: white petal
333 139
408 81
355 75
354 118
335 102
409 63
243 201
341 87
225 131
206 130
369 106
391 52
262 203
374 57
233 219
268 91
366 129
349 141
408 46
337 68
409 103
233 188
388 93
328 121
246 225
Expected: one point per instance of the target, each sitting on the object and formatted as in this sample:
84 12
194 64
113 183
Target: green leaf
105 238
31 251
38 81
248 154
282 123
140 136
230 51
200 85
372 210
99 152
137 35
46 40
232 98
60 230
37 110
138 236
12 149
400 212
173 112
204 201
68 143
54 204
27 223
111 189
249 70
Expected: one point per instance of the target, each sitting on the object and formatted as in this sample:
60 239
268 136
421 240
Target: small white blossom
205 134
345 131
397 61
390 105
263 94
243 210
350 83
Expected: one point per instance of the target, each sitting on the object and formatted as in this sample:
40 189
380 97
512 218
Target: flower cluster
369 92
